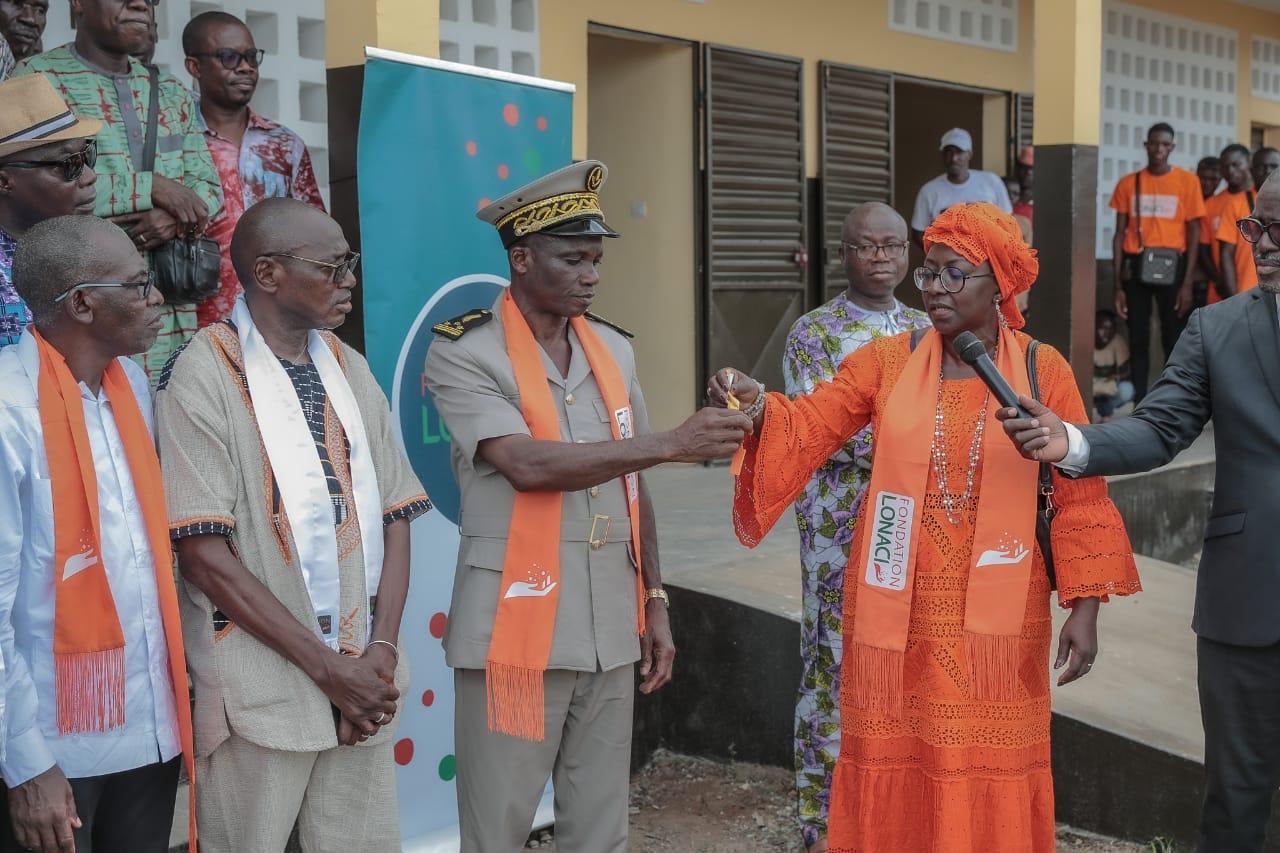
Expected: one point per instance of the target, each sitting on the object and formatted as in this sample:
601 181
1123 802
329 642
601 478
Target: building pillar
409 26
1067 75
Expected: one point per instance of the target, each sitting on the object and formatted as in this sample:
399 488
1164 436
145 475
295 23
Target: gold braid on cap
551 211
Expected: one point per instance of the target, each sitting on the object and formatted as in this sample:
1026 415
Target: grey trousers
587 754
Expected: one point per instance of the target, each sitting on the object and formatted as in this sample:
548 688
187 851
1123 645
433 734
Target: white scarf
292 453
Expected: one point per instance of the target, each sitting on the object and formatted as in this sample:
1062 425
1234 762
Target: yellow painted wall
855 32
641 124
410 26
1247 22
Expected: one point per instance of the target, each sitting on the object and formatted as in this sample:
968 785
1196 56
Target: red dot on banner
437 625
503 171
429 698
542 122
404 751
471 148
483 203
511 114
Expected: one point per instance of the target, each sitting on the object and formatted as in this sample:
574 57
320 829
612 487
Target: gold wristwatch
657 592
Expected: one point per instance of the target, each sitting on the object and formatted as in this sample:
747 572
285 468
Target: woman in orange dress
945 678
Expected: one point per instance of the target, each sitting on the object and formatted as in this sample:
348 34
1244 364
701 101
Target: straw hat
32 113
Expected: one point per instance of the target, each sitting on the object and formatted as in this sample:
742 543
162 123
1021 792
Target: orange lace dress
952 774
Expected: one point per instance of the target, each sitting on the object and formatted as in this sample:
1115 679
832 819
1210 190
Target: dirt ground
695 805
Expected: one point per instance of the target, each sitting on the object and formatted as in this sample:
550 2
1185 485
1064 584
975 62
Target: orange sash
1000 568
526 617
88 643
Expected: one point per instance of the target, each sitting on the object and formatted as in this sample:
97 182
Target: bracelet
386 643
657 592
757 405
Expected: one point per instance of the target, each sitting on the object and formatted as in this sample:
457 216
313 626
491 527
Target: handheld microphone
974 353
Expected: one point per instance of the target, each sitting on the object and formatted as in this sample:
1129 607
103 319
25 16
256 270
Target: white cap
958 137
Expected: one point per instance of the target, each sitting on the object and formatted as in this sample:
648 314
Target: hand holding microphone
1035 430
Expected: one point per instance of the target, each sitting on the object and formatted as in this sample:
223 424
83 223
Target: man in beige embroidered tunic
291 613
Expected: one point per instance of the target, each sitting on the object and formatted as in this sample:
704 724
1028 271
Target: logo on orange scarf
890 538
537 584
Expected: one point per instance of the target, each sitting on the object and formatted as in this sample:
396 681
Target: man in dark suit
1225 365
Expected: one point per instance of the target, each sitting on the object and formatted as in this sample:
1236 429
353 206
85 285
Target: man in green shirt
99 79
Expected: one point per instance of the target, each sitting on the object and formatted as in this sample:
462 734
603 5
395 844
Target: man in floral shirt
256 158
873 250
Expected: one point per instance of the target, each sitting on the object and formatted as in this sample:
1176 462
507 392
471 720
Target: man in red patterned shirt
256 158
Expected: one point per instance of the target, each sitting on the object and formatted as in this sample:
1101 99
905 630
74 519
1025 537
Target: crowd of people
170 603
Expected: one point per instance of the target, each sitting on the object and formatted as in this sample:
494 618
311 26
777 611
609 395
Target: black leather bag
187 268
1154 267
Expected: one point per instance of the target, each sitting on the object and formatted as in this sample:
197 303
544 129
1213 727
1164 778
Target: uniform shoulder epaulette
463 323
625 332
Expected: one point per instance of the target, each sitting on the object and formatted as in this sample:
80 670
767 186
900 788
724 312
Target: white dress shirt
32 743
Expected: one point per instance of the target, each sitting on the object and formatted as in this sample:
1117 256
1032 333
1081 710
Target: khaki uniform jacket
218 480
474 388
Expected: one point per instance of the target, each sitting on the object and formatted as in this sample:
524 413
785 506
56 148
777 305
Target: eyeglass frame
255 63
1266 229
88 158
964 278
347 264
876 249
146 286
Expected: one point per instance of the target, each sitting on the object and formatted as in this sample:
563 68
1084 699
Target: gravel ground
696 805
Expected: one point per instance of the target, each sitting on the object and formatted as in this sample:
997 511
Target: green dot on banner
448 768
533 162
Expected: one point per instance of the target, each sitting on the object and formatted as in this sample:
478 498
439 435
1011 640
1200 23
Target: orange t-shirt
1223 212
1169 201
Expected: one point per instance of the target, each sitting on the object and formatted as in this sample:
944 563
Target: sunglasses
72 165
231 59
340 269
1252 230
144 286
953 280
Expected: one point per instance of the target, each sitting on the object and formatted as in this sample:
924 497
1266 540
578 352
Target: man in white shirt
957 185
90 749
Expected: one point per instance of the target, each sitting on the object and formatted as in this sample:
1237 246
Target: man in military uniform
558 590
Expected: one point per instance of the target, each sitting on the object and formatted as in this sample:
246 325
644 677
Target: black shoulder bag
1045 510
186 268
1155 267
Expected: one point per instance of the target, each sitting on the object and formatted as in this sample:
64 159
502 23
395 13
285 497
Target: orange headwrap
983 232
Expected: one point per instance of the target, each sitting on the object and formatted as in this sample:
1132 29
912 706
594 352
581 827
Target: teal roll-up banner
437 141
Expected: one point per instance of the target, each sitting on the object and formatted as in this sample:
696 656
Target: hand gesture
149 229
744 388
1040 438
360 693
657 651
709 434
180 202
44 813
1078 641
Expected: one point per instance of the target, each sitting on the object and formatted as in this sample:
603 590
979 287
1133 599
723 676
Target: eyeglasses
72 165
953 280
231 59
144 286
867 251
1252 229
340 269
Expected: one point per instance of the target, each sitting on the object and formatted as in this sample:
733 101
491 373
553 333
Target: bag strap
153 121
1137 211
1046 473
916 336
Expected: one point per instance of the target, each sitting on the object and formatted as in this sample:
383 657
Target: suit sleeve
469 401
1169 418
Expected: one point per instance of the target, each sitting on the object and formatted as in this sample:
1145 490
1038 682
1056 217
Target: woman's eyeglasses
340 269
231 59
72 165
144 286
1252 229
953 280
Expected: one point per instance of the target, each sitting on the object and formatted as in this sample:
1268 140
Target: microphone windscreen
969 347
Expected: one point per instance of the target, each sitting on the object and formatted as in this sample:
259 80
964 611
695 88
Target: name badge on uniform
626 429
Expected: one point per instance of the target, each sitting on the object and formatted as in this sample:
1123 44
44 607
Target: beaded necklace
938 452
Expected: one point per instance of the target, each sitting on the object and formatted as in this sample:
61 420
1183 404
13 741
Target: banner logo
891 518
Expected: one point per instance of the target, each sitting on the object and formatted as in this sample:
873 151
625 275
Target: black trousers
128 811
1240 708
1140 298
